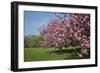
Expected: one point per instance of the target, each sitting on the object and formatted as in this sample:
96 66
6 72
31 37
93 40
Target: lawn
44 54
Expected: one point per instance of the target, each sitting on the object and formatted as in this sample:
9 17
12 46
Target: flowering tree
81 31
54 34
68 29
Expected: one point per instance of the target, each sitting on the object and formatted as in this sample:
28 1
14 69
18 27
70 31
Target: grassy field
41 54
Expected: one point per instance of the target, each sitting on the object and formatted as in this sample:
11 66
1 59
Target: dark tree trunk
60 50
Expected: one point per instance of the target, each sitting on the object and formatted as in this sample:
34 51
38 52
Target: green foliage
36 41
32 41
27 41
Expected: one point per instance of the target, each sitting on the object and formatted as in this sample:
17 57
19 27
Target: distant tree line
32 41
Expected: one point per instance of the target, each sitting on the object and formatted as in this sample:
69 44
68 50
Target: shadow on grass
64 51
70 53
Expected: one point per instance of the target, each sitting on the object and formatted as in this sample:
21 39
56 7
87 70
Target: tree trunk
60 50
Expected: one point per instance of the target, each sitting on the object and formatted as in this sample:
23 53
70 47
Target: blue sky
33 20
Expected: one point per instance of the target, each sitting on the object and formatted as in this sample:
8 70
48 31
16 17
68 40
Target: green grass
41 54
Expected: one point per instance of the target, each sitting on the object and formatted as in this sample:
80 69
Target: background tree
32 41
27 41
36 41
